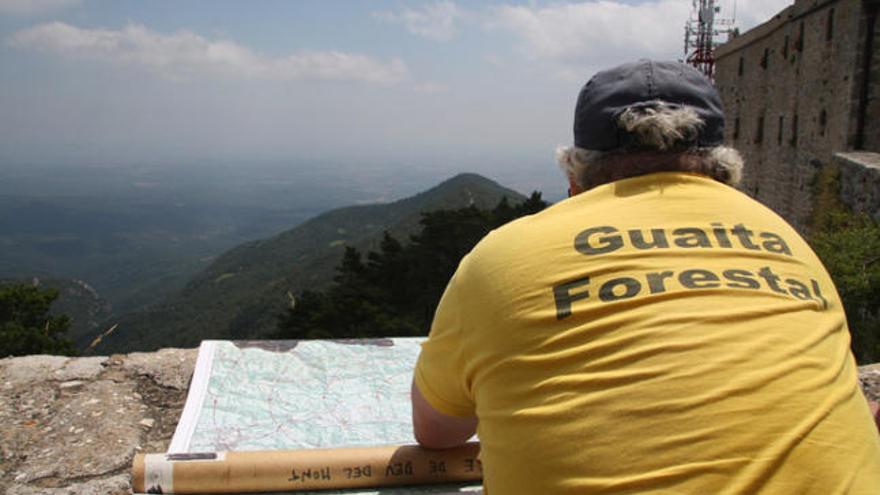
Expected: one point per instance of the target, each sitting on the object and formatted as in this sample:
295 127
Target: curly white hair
662 128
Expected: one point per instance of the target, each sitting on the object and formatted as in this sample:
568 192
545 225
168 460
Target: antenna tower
701 31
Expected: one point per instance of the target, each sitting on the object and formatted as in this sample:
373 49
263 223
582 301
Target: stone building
803 90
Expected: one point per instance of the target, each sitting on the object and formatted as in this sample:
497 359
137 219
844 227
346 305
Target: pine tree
396 291
25 324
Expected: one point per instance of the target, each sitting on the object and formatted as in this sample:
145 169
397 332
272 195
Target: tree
849 245
396 291
850 249
25 324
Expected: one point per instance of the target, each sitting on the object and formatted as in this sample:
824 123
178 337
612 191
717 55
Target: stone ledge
73 425
860 181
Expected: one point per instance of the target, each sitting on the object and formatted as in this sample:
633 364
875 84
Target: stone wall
871 131
791 91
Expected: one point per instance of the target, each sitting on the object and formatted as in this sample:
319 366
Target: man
659 331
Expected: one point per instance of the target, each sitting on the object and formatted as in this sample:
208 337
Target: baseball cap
642 84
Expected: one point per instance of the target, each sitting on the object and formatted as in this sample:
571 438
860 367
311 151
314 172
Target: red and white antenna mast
701 31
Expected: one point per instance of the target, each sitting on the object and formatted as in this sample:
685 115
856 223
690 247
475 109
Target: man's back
661 333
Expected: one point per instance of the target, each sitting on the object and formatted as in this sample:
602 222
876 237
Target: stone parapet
860 181
73 425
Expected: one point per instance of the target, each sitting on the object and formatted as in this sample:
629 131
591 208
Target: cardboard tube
301 470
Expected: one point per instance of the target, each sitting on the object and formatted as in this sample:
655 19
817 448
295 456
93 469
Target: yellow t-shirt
664 333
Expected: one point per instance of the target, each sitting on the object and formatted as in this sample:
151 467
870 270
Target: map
272 395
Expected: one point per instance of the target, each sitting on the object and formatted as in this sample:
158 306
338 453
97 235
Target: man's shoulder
522 228
519 238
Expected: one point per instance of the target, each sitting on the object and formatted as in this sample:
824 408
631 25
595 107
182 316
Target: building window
794 131
823 121
799 44
829 25
759 132
765 58
779 133
739 71
785 48
736 128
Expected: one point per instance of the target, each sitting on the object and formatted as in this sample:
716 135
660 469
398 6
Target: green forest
849 245
394 291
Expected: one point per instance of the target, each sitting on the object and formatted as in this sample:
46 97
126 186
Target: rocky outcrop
73 425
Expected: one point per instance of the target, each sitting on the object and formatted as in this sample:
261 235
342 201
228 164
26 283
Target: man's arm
435 430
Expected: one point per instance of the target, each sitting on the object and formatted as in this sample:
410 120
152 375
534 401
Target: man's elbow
441 436
435 430
429 440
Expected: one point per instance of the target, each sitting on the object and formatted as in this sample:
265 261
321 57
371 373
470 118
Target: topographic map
272 395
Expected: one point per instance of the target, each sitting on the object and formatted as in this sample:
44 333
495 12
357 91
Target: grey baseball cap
642 84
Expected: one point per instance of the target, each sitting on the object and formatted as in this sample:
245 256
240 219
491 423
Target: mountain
137 234
242 293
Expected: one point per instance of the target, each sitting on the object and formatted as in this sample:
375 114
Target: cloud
596 33
750 13
34 7
435 21
183 55
604 32
430 88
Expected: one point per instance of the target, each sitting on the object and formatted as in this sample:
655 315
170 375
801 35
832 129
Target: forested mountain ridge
242 293
138 234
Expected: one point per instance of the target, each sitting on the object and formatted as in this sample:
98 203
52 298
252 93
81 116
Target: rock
86 368
63 453
24 370
24 416
870 377
72 425
168 367
116 485
71 385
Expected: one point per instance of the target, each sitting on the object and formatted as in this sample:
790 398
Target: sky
439 86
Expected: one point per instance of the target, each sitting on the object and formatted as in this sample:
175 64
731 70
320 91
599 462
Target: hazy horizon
388 87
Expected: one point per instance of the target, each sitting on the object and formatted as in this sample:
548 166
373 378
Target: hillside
138 234
242 293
